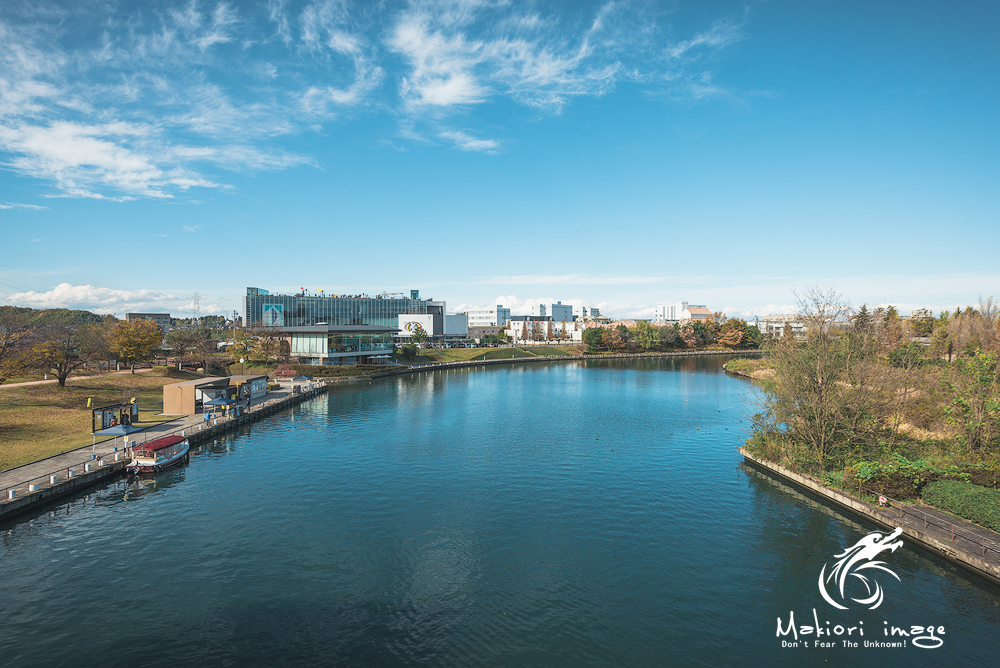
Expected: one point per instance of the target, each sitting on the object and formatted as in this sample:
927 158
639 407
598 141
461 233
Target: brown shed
182 398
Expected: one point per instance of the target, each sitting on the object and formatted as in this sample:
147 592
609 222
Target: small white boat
159 454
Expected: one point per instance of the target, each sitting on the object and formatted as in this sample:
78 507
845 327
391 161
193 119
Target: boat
159 454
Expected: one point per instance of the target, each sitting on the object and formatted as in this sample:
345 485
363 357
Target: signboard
273 315
110 416
411 324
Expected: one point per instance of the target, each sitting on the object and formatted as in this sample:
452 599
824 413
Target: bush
974 503
900 478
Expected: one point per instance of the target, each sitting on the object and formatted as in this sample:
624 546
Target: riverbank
26 487
971 546
438 366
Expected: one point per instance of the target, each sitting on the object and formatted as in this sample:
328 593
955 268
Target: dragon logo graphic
858 558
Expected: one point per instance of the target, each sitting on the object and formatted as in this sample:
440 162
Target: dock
961 542
25 488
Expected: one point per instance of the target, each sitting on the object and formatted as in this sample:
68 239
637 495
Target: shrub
974 503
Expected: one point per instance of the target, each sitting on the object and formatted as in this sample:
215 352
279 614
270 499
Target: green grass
42 420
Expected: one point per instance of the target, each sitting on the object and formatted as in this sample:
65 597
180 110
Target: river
552 514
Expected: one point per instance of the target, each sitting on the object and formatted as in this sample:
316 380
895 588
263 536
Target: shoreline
435 366
962 547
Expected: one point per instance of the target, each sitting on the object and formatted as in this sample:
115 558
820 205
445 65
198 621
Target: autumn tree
134 340
64 348
15 341
269 343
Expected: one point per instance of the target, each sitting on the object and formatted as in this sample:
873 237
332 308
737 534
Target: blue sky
615 154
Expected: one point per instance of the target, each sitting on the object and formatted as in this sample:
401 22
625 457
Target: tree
15 334
732 332
135 340
645 334
268 343
420 336
592 337
64 348
975 404
670 336
181 341
408 351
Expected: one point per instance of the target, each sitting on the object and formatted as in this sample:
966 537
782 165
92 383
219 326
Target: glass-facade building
304 310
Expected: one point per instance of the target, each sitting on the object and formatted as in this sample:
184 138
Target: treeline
61 341
869 398
732 333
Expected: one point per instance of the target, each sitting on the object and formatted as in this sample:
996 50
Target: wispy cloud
116 103
572 279
16 205
467 143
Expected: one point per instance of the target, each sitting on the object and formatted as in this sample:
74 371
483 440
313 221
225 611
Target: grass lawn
42 420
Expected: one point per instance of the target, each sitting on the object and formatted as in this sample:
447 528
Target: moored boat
158 454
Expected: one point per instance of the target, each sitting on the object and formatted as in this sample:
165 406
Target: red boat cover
159 444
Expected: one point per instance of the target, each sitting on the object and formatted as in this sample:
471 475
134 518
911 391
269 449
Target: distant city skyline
611 154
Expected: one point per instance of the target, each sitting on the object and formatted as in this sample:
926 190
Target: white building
525 328
774 325
492 317
674 312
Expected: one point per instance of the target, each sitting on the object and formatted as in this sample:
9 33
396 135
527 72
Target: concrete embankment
27 487
964 543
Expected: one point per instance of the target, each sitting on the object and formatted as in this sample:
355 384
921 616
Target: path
56 380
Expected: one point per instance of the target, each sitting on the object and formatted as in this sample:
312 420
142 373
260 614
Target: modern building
561 312
162 320
492 317
325 344
305 309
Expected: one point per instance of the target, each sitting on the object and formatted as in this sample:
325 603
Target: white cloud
467 143
109 300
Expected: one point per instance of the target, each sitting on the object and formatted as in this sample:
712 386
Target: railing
893 507
98 461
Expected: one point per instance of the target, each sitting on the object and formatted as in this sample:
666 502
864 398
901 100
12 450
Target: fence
894 508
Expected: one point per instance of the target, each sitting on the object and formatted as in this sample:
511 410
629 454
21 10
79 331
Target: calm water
552 515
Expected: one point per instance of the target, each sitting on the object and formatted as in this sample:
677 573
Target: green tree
134 340
645 335
592 337
420 336
975 403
